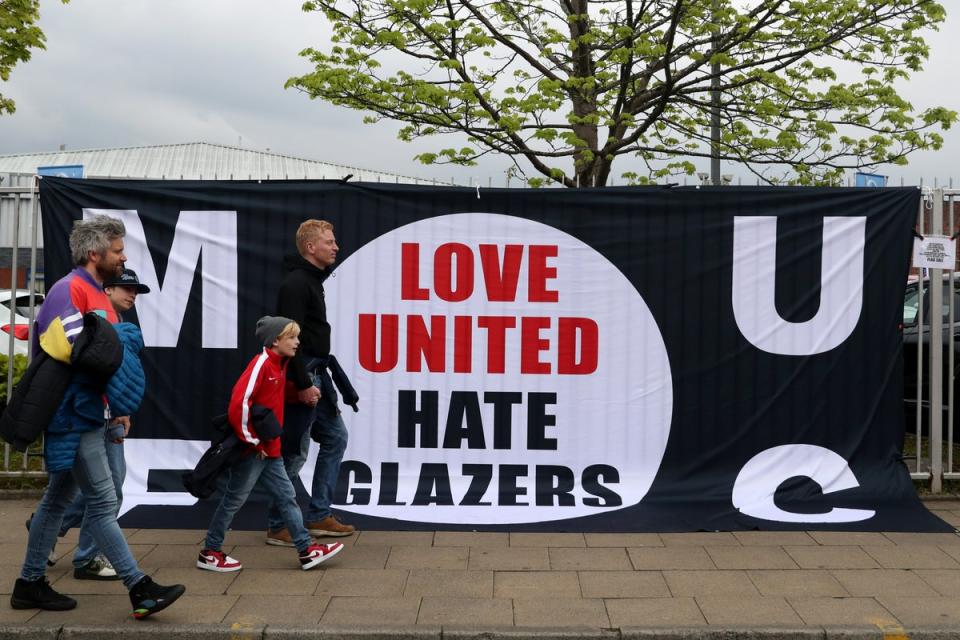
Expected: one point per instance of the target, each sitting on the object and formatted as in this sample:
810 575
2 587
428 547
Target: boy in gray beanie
256 415
269 327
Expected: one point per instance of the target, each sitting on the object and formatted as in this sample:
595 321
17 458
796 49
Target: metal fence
932 456
20 211
930 445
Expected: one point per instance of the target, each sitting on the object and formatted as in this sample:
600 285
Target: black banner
618 359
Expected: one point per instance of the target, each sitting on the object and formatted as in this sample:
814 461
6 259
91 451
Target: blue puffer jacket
83 406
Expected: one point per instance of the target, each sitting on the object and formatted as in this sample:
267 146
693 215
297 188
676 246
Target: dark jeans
327 425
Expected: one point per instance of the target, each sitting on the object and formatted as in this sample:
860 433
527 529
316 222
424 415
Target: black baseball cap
127 279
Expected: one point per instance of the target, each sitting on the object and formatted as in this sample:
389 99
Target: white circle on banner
611 398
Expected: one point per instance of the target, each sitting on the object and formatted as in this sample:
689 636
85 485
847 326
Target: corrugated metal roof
195 161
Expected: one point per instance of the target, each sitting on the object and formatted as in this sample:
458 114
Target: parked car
914 336
21 318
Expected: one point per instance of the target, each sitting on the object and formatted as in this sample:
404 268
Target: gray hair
95 234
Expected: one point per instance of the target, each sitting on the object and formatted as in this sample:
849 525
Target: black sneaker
52 556
38 594
97 569
148 597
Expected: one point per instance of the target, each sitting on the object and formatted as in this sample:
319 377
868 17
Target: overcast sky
144 72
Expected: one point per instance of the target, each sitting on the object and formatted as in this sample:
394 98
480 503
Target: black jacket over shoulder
97 353
301 299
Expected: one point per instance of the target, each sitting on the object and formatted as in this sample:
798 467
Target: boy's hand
125 421
310 396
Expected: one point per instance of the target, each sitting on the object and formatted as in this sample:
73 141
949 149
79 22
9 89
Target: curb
154 630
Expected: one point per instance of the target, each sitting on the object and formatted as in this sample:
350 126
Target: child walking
256 415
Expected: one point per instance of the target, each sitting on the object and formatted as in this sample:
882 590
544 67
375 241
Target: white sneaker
217 561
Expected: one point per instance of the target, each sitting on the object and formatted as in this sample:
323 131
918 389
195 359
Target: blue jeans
86 546
297 422
243 475
331 434
91 475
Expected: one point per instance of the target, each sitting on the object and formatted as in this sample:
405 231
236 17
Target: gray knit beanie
269 327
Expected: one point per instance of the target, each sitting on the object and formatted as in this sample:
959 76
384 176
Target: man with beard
313 411
74 448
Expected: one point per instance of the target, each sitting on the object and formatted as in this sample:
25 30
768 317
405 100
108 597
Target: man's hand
310 396
125 421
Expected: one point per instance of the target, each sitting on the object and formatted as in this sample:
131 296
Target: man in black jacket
316 413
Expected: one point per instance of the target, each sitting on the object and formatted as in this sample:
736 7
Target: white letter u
754 278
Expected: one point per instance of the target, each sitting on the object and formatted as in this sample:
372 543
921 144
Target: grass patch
20 476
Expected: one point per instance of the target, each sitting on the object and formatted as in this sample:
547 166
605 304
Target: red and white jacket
262 383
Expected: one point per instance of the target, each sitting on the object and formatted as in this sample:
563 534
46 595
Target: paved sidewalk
516 585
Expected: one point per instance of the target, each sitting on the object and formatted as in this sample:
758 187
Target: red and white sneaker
217 561
317 553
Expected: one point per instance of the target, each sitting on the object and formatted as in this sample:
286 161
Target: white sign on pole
935 252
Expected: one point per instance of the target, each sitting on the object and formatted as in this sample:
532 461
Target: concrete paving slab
275 582
536 584
926 539
365 611
167 536
747 610
609 559
547 540
9 574
12 553
448 583
664 558
797 582
465 611
913 556
509 559
71 586
753 557
383 583
8 615
945 581
471 539
395 538
565 612
623 584
91 609
699 539
653 612
709 583
842 611
198 582
263 609
173 555
849 538
881 582
359 557
262 556
194 609
950 517
773 538
623 539
831 557
924 611
428 558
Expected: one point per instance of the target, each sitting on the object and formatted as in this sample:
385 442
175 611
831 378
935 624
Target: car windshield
23 306
911 305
